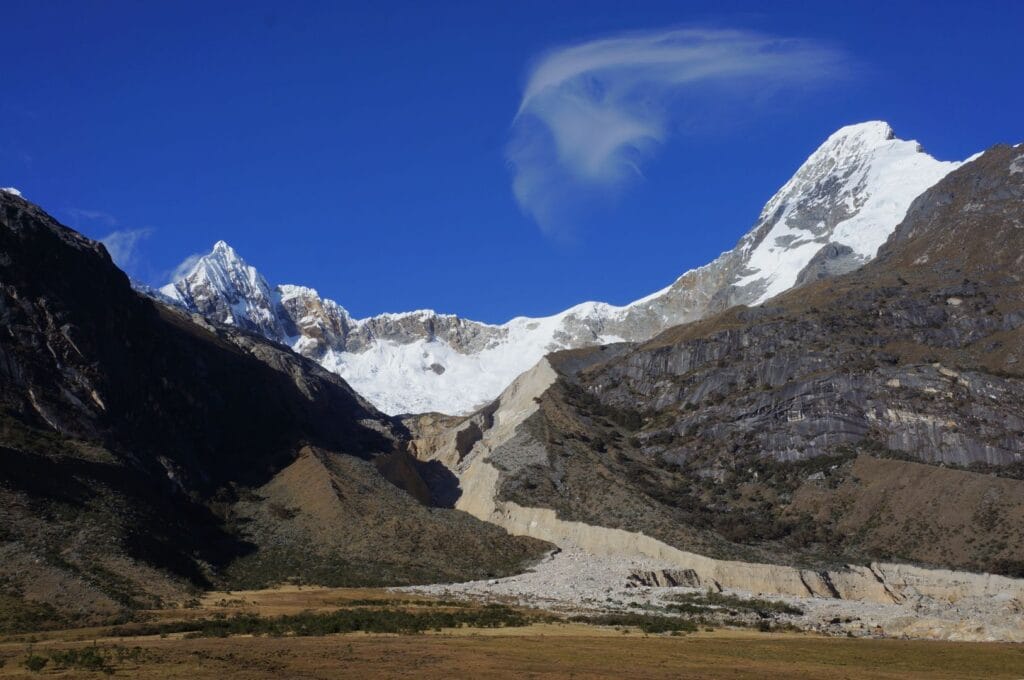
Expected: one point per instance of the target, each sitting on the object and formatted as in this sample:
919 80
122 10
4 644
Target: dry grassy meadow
542 650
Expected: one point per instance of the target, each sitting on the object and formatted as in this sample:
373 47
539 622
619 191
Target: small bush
702 602
35 663
89 658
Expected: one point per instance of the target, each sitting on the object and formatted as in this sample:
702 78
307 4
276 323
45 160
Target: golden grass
537 651
553 651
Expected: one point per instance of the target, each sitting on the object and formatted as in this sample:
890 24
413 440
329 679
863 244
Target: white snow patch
399 378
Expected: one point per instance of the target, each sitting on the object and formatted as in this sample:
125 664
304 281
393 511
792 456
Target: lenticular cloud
592 112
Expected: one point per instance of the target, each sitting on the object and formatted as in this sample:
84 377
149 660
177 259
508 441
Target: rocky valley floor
527 647
572 582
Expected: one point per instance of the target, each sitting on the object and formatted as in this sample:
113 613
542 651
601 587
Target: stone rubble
574 582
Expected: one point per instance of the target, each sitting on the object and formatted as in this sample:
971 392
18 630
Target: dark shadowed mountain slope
144 453
87 357
806 430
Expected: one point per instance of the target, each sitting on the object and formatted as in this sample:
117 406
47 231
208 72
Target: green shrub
35 663
88 658
702 602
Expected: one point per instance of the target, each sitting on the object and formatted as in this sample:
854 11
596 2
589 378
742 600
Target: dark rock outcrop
832 260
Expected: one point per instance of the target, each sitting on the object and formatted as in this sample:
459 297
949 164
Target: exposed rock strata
877 582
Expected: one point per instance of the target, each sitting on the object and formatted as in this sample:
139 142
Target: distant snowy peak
225 288
10 190
222 272
829 218
852 191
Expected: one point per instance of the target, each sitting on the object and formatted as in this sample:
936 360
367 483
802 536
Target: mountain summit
222 286
850 193
830 218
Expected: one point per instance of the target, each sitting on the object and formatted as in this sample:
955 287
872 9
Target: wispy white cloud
592 113
123 245
184 267
79 214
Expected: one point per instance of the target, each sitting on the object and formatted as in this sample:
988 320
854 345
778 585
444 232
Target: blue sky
371 150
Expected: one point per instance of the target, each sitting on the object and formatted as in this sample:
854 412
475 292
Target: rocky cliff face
830 218
805 431
143 454
919 349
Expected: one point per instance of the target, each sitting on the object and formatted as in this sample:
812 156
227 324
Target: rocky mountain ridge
830 218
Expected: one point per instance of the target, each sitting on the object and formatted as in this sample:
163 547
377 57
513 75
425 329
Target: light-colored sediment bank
908 600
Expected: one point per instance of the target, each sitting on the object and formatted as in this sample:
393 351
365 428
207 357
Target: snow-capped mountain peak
850 193
830 217
870 132
224 287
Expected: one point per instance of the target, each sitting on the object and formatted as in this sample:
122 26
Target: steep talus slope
828 219
806 431
139 451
